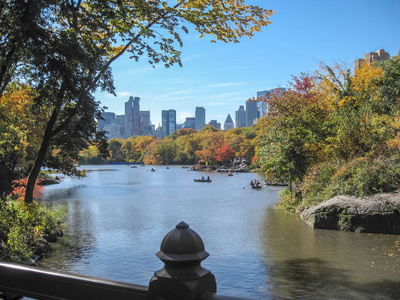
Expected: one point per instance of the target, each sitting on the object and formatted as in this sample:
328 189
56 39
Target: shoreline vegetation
28 229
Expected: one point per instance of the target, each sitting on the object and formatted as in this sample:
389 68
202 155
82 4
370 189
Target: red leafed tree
224 153
20 189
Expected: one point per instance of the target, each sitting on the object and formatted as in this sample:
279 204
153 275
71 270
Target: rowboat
256 187
202 180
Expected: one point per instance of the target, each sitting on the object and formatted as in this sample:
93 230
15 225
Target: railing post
182 277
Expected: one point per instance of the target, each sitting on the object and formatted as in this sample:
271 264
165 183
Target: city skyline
199 116
137 122
220 77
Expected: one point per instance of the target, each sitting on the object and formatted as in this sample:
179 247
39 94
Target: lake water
119 215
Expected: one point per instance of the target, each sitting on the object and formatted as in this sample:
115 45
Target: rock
29 262
51 238
374 214
42 249
49 181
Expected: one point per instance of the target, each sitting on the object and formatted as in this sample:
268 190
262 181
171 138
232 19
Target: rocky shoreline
373 214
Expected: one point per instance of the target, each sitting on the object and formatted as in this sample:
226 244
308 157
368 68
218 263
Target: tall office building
240 117
228 123
168 121
108 117
172 121
128 118
132 117
215 124
136 116
145 124
371 57
251 113
200 116
190 123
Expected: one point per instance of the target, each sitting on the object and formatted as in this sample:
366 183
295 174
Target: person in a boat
208 177
251 183
202 177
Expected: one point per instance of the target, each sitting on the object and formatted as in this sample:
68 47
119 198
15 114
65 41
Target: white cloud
225 84
228 96
124 94
182 115
174 96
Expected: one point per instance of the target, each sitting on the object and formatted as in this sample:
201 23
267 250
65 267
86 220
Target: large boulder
375 214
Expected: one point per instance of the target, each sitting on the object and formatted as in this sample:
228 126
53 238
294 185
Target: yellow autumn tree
355 102
21 129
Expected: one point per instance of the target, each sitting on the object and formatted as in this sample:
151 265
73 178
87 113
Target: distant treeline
184 146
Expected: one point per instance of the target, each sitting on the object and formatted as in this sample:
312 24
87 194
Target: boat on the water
202 180
275 183
255 187
255 184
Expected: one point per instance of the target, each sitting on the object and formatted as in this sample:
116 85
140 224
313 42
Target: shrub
316 185
289 200
359 177
22 226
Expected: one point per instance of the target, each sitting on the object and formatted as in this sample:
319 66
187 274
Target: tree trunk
36 170
48 134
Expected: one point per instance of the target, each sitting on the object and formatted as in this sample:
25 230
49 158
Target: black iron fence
182 277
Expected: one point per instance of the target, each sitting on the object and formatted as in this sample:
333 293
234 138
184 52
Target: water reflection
77 245
302 263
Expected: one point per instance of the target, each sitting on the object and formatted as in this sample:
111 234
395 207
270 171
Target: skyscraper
108 117
251 113
168 121
228 123
190 123
136 116
132 117
200 116
215 124
145 124
128 118
172 121
240 117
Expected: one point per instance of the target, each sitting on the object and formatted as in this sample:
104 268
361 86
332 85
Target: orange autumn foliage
20 189
225 153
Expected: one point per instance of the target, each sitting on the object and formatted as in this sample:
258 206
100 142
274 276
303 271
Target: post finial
182 277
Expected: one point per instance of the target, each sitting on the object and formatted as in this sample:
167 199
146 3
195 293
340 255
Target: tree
224 154
294 131
165 151
67 49
181 132
246 150
117 153
363 108
19 137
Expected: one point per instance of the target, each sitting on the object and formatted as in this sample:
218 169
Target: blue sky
220 76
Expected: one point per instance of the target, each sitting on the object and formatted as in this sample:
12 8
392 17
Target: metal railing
182 277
